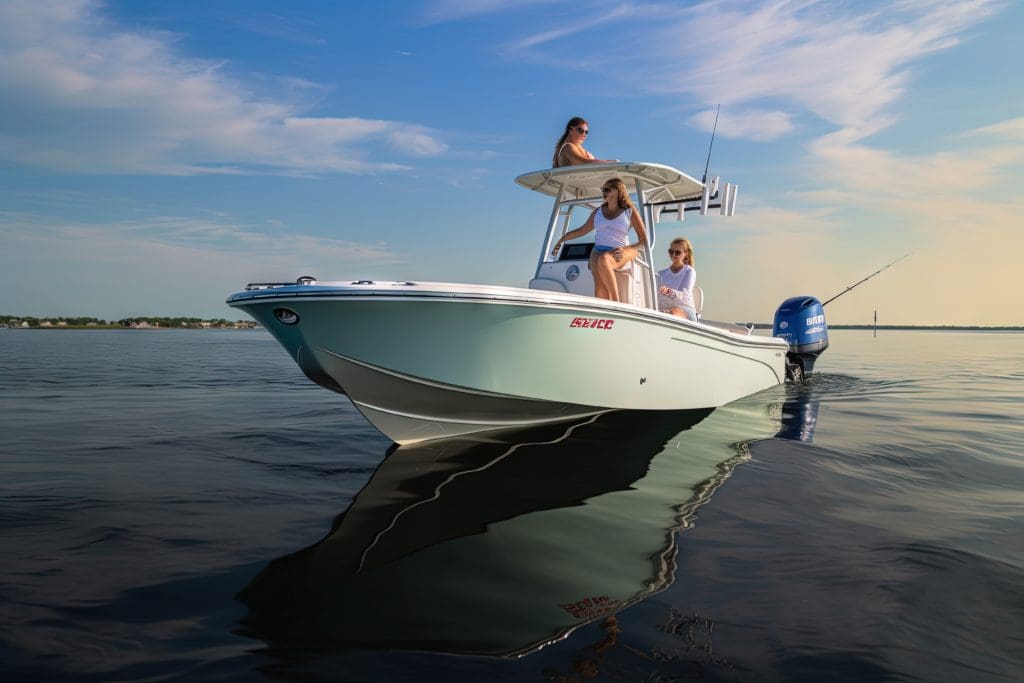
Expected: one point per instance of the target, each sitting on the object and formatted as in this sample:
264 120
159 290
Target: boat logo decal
572 273
591 607
593 323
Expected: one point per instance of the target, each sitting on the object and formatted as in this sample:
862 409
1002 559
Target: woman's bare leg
606 286
597 269
628 254
603 266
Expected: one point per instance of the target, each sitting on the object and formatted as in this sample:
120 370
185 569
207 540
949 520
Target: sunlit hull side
433 360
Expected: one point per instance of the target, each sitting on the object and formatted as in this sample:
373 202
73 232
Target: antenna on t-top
714 128
727 197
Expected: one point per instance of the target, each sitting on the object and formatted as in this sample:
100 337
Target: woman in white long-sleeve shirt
675 283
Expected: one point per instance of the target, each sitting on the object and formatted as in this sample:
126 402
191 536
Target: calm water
184 505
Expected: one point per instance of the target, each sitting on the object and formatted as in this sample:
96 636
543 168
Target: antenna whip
712 144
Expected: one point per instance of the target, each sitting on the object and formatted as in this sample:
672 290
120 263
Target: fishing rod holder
715 196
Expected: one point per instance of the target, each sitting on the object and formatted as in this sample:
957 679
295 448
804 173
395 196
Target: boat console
570 272
658 191
576 252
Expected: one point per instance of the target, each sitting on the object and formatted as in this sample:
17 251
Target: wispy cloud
1012 129
125 241
454 10
593 19
844 63
86 96
942 189
750 124
294 30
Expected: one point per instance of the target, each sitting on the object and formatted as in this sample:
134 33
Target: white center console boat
427 360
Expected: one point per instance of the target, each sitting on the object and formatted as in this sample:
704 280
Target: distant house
62 323
46 323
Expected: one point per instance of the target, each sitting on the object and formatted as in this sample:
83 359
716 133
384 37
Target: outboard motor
800 320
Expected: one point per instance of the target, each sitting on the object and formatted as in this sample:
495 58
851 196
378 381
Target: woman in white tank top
612 250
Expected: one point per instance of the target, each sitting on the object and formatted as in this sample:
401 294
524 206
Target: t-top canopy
585 180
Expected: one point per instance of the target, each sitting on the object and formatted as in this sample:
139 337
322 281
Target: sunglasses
675 252
582 131
606 190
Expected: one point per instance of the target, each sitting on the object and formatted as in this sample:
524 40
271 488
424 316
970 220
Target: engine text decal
594 323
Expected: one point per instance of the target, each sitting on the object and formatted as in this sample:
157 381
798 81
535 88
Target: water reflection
799 413
498 548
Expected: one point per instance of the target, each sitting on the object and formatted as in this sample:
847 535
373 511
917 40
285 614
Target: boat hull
424 362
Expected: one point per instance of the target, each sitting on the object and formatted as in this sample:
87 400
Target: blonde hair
624 201
687 249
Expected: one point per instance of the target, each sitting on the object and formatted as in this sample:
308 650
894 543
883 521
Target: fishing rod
712 144
866 279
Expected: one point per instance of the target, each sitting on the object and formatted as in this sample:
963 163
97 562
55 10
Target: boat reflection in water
799 413
499 548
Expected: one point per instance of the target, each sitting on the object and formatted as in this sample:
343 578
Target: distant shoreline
83 322
133 329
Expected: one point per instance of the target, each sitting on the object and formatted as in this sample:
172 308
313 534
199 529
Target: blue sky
156 156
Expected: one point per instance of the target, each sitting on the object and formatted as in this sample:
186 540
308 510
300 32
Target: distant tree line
145 321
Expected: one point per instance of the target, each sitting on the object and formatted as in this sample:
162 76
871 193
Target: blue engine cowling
800 320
